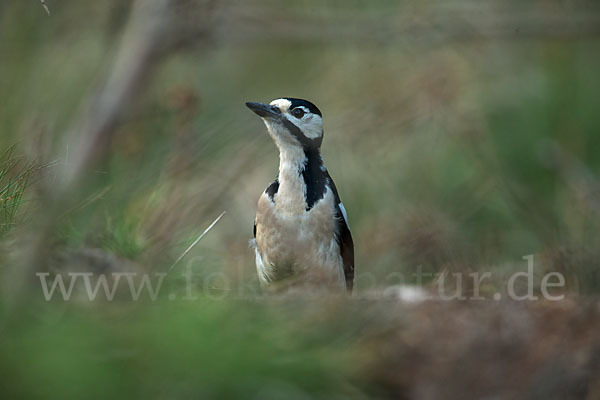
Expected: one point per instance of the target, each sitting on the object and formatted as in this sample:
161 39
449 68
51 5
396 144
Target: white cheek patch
311 126
283 104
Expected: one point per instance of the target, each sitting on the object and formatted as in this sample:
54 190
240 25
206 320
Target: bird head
292 123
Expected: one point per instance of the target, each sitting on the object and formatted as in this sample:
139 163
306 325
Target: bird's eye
298 112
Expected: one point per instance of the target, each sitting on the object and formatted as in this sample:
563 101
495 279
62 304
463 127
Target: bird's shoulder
271 190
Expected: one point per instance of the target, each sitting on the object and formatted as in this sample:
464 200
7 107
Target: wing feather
344 237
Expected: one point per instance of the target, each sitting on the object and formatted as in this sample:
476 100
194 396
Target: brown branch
141 48
90 136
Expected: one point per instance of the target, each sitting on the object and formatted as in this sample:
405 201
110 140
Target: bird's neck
297 169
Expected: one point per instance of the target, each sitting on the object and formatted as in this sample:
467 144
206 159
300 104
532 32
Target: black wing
344 238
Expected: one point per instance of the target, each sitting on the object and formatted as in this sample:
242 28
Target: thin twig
88 201
197 240
45 6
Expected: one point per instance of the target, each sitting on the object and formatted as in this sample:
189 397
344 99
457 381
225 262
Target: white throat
291 195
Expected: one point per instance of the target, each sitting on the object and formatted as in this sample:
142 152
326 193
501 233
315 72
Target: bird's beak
265 110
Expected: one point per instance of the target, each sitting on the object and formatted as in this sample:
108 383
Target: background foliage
462 136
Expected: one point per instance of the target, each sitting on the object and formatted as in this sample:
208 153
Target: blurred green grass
462 136
148 352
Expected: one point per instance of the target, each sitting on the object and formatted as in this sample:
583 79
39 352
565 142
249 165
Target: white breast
303 241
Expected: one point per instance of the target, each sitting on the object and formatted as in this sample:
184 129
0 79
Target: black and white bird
301 227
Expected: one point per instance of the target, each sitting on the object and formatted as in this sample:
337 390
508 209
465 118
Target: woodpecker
301 229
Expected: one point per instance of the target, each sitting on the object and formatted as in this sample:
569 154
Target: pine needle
45 6
197 240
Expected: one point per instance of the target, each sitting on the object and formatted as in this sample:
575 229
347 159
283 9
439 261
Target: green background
462 136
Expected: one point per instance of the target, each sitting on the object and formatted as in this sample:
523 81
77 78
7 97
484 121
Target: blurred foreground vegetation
462 136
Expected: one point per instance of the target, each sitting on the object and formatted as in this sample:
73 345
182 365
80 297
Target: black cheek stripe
297 133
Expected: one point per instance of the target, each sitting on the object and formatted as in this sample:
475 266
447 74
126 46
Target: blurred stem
45 6
90 135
